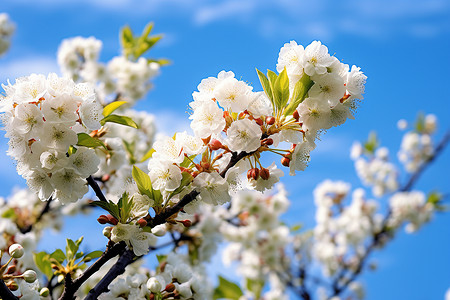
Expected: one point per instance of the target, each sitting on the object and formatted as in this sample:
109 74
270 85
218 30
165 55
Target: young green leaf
119 120
71 249
148 155
227 290
282 89
143 182
111 107
86 140
300 91
42 261
109 207
93 254
265 84
58 255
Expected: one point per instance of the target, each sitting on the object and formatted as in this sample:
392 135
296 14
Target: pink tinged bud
11 269
103 219
264 173
112 220
285 161
186 223
12 285
215 145
253 173
106 177
142 222
16 251
296 115
170 288
270 120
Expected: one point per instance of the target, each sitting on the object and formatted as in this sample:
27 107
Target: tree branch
98 192
5 293
45 210
110 252
378 237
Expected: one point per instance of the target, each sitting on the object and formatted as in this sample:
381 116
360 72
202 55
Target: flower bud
142 222
296 115
269 142
16 251
29 276
285 161
11 269
44 292
215 145
12 286
253 173
259 121
107 231
264 173
112 220
106 177
170 288
270 120
154 285
186 223
159 230
103 219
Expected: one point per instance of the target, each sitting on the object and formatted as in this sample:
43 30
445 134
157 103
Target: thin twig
98 192
5 293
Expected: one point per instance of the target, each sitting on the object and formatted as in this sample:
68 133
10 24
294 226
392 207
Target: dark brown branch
5 293
378 238
119 268
98 192
110 252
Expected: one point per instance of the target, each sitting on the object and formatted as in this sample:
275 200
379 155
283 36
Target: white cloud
13 69
224 10
169 122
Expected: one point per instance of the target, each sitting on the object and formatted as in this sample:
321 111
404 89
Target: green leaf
434 197
110 108
148 155
129 147
9 213
58 255
148 28
282 89
296 227
187 161
119 120
160 61
145 44
227 290
125 204
272 76
372 143
161 257
266 85
93 254
71 249
255 286
185 181
109 207
301 89
143 181
42 261
86 140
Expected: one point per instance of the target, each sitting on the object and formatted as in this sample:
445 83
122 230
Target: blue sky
401 45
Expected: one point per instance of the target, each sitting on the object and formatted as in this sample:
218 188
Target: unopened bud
142 222
106 177
112 220
296 115
151 297
107 231
44 292
264 173
12 286
215 145
269 142
270 120
285 161
170 288
16 251
154 285
253 173
159 230
259 121
103 219
186 223
29 276
11 269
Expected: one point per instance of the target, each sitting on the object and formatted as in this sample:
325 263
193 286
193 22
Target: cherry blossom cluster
6 31
78 58
417 146
42 117
342 230
313 92
374 168
21 282
257 240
